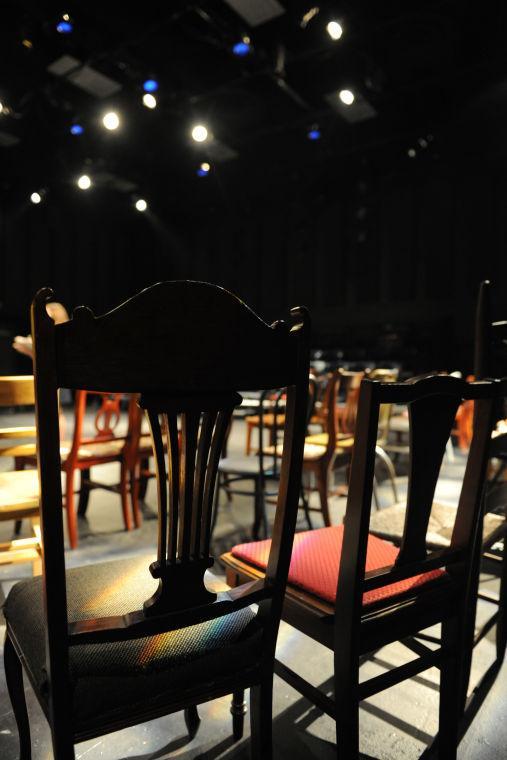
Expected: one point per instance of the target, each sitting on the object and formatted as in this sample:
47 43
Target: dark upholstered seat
106 678
316 560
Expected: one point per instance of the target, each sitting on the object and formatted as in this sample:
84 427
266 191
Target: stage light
141 205
27 43
64 27
84 182
242 48
314 133
335 30
1 107
111 120
204 169
347 97
76 129
36 198
199 133
411 152
149 100
150 85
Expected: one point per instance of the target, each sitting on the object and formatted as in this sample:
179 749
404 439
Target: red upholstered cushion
316 560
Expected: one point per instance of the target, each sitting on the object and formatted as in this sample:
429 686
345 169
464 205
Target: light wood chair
19 489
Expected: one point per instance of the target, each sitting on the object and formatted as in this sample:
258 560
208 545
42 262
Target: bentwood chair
19 489
355 593
113 644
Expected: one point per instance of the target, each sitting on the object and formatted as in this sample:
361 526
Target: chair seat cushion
245 465
108 678
389 523
316 560
321 439
312 451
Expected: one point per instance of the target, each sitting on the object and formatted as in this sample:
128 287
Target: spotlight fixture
199 133
314 133
335 30
111 120
76 129
149 100
151 85
242 48
28 44
204 169
36 198
141 204
347 97
411 152
84 182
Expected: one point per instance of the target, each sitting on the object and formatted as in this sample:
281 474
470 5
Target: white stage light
199 133
149 100
84 182
335 30
36 197
347 97
111 120
141 205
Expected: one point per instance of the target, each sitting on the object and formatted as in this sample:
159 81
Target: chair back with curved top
134 349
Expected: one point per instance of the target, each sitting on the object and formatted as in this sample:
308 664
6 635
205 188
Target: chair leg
450 690
261 708
69 506
322 487
134 497
248 447
306 507
192 720
143 480
501 626
124 497
14 678
347 709
84 494
238 712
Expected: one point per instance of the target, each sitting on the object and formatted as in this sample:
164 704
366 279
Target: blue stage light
241 48
76 129
64 27
203 170
314 134
150 85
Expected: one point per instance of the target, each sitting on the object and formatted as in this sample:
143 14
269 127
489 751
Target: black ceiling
426 67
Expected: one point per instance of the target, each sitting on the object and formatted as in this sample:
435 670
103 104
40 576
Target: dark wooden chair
388 523
354 593
113 644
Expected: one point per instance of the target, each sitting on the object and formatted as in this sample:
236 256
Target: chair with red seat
355 593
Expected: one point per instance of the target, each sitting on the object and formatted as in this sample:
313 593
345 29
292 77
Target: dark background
386 250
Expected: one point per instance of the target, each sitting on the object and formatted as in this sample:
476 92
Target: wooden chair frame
134 349
358 631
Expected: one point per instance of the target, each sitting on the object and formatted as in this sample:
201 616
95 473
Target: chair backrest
187 348
490 345
107 417
16 390
350 382
432 404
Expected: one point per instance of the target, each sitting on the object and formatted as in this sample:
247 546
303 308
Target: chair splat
186 486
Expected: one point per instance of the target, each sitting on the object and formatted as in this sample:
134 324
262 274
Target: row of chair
109 645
